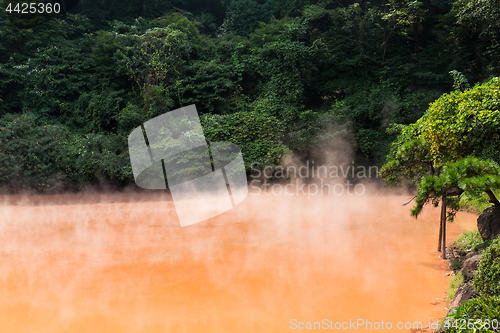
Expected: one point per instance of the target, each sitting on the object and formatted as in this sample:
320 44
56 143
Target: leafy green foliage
470 174
487 279
459 124
316 132
468 240
243 16
34 156
456 127
476 35
46 157
281 65
481 314
99 157
460 82
259 136
155 63
324 71
455 282
212 85
409 157
369 109
476 203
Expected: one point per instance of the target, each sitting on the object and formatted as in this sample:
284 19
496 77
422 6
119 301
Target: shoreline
455 259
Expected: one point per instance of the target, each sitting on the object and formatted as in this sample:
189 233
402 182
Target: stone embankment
488 224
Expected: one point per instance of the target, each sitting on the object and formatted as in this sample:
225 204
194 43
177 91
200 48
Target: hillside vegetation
304 72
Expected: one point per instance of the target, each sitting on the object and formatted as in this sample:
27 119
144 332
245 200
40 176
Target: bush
483 313
45 157
487 279
32 155
259 136
461 124
468 240
98 155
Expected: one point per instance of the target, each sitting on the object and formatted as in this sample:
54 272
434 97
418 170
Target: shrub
97 155
487 279
32 155
44 157
461 124
468 240
482 312
259 136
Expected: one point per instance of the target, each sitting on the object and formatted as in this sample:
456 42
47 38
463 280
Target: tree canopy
317 70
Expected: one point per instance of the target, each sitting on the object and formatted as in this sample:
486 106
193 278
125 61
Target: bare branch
409 201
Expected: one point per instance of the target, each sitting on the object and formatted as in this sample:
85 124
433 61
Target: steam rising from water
122 263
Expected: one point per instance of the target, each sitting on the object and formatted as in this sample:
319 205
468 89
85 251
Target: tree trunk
493 199
440 228
443 219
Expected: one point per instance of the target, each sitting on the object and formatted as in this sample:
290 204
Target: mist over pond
122 263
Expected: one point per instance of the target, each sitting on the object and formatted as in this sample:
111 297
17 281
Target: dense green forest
275 77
